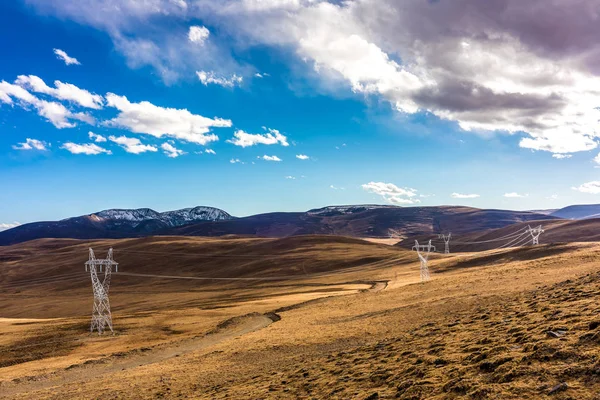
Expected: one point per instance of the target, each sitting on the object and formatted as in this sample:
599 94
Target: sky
256 106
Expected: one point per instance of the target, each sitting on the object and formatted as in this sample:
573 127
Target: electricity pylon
101 316
423 258
394 234
535 234
446 239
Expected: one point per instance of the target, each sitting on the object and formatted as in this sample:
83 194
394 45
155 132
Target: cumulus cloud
464 196
61 91
96 138
210 151
31 144
290 177
198 34
562 156
270 158
243 139
392 193
171 151
132 145
210 77
302 156
145 117
54 112
487 65
86 148
62 55
515 195
235 161
592 187
9 225
494 65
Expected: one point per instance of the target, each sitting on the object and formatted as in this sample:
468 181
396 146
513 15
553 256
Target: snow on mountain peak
170 218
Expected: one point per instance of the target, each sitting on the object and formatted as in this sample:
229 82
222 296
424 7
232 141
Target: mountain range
351 220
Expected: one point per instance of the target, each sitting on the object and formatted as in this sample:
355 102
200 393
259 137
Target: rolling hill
355 221
114 223
582 211
555 231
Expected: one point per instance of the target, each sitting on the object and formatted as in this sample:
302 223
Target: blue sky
374 118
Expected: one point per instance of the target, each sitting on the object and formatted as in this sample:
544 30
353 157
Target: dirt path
91 369
227 330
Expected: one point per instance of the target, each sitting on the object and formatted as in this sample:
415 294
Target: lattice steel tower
101 316
424 258
535 234
446 239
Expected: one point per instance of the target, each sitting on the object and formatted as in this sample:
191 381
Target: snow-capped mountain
114 224
169 218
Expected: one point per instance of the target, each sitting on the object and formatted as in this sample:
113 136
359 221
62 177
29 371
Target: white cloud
553 197
5 226
501 71
515 195
31 144
145 117
62 55
302 156
171 151
561 156
392 193
243 139
336 187
210 151
464 196
198 34
290 177
208 77
592 187
96 138
61 91
132 145
54 112
560 142
235 161
270 158
86 148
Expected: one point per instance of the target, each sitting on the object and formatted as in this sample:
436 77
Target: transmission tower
446 239
101 316
394 234
535 234
423 257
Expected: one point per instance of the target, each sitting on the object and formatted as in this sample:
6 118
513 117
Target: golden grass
478 329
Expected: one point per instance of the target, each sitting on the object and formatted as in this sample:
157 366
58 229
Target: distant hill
361 221
114 223
555 231
582 211
353 220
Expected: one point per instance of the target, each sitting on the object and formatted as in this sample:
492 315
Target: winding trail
226 330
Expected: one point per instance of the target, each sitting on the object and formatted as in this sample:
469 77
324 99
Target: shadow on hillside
510 255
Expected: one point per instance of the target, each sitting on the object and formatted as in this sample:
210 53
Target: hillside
56 266
555 231
113 223
362 222
510 324
583 211
355 221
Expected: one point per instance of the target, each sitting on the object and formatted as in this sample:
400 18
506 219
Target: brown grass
479 329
